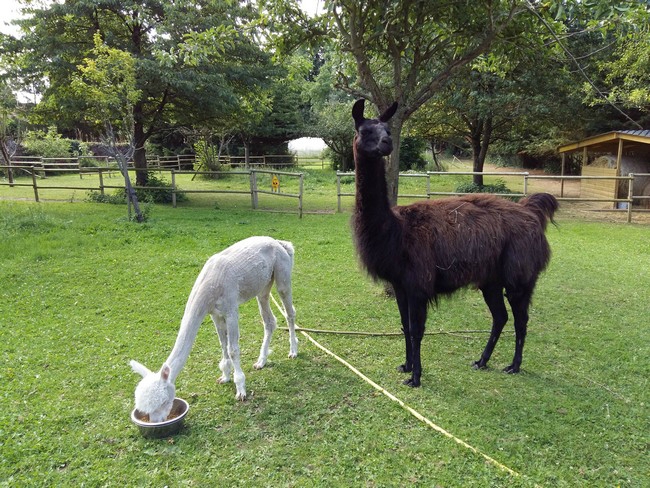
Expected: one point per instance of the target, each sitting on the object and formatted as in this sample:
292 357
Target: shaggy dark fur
435 247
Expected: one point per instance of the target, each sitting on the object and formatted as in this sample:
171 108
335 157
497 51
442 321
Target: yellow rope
413 412
386 334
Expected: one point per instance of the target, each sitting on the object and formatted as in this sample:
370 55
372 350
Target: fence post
174 188
630 193
101 181
526 183
338 192
253 179
300 197
428 186
34 183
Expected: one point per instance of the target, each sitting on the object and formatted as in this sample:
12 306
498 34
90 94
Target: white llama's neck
195 312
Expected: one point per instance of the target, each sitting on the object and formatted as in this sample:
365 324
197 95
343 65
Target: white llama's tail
288 246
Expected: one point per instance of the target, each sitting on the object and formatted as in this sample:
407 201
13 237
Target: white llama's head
155 393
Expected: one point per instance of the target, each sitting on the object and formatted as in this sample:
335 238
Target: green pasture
83 291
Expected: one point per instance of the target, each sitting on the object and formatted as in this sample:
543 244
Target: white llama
245 270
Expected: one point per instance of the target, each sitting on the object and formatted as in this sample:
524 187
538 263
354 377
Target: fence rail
527 177
254 191
38 171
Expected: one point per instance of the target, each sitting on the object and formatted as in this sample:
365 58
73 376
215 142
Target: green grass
82 291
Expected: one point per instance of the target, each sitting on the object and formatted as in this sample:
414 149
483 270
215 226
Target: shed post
619 156
562 174
630 193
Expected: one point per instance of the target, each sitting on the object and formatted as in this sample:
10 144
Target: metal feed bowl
157 430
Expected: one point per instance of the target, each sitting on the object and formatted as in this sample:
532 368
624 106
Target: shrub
162 193
158 195
410 154
50 144
470 187
116 198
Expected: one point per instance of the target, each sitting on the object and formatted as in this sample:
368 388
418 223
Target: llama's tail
288 246
544 204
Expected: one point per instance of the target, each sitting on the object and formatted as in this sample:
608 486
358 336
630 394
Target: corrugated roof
605 142
642 133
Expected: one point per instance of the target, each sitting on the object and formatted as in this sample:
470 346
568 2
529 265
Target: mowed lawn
83 291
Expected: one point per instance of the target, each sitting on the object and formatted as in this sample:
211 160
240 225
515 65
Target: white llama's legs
270 323
232 326
283 284
225 365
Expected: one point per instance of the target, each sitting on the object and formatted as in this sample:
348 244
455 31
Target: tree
627 76
190 68
107 84
406 51
10 127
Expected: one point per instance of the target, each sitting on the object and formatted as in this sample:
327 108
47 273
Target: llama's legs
270 324
283 285
493 296
232 326
225 365
402 305
417 320
519 302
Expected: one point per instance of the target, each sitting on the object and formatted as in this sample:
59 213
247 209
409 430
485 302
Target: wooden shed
621 151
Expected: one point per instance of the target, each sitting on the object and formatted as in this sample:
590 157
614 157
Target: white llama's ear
141 369
164 372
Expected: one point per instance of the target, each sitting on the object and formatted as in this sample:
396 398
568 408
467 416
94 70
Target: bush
50 144
162 193
471 187
116 198
410 153
155 195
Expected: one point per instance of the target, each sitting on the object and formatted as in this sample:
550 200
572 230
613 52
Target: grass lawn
82 291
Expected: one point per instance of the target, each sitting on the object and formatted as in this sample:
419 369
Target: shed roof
608 142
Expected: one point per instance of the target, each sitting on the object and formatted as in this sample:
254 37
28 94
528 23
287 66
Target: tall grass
83 291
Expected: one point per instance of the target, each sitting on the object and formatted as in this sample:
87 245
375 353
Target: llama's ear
388 113
357 112
141 369
164 372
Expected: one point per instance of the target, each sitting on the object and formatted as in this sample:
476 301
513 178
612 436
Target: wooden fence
39 183
627 202
181 162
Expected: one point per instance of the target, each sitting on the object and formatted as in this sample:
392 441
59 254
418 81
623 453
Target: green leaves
107 82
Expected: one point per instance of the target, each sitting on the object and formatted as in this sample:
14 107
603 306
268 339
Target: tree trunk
5 155
392 167
436 163
139 138
480 143
247 153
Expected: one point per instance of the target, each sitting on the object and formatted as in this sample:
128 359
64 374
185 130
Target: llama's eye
387 131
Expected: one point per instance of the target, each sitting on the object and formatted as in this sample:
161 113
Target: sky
9 10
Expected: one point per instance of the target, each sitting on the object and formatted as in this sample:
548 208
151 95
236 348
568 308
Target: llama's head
155 393
372 136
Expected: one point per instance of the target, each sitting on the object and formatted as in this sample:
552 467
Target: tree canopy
521 74
190 68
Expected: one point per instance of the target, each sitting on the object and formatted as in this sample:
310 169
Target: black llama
435 247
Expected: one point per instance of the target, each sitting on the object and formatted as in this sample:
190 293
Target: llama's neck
195 312
371 202
377 230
